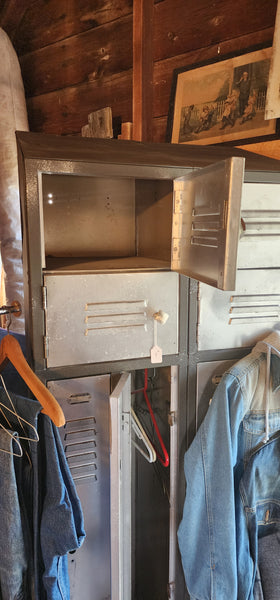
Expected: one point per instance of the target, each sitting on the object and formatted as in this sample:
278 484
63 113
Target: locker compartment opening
95 420
151 484
98 223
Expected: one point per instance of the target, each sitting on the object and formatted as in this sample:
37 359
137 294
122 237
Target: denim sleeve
61 527
13 555
71 488
207 537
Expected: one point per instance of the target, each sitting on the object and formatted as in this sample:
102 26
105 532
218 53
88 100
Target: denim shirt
53 523
13 555
61 526
217 541
51 512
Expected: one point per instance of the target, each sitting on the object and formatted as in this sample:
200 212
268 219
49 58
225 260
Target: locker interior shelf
131 263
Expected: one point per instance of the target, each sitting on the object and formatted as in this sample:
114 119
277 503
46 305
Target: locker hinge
172 418
46 346
171 589
44 297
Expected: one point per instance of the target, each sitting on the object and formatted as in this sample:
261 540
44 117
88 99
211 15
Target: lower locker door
120 439
85 437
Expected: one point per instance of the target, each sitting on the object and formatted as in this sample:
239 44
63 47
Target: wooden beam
11 14
142 94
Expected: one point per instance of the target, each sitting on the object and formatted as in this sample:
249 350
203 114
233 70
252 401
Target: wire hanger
14 437
164 457
150 455
10 350
20 419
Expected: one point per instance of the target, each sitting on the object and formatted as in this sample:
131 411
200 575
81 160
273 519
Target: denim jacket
52 518
51 513
225 507
13 556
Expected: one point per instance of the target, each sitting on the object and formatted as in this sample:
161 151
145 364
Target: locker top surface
111 151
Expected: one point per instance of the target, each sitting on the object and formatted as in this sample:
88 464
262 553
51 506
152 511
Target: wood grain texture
65 111
271 149
184 25
11 15
77 57
142 95
46 23
90 56
163 70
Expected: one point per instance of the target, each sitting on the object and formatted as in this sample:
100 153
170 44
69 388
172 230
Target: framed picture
222 101
272 106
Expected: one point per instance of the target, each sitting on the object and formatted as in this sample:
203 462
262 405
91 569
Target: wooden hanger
10 350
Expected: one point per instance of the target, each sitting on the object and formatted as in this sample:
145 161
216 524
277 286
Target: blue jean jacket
13 553
51 514
61 525
52 517
217 534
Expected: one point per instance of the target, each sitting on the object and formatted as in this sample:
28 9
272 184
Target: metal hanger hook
9 321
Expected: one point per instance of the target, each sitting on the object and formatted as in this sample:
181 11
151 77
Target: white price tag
156 354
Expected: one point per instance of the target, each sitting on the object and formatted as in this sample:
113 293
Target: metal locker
110 316
239 318
85 438
258 246
251 308
206 222
105 222
97 443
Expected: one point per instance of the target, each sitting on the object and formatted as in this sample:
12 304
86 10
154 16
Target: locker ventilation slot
259 308
260 223
112 315
205 228
80 448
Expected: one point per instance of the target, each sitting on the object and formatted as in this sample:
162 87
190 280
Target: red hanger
165 458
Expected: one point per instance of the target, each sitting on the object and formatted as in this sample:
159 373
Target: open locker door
206 223
120 467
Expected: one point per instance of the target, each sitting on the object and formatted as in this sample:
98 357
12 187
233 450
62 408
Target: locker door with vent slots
85 438
206 223
97 443
108 316
259 243
240 316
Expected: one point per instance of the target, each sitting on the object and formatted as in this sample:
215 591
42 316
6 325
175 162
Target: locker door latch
171 418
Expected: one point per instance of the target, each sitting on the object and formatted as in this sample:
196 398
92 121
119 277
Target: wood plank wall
76 55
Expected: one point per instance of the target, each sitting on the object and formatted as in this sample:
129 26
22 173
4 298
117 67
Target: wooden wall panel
142 94
11 14
65 111
163 70
85 57
181 26
159 129
46 23
76 56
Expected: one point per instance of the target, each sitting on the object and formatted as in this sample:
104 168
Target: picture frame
272 106
222 101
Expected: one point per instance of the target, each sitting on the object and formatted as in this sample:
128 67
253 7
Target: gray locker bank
147 267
